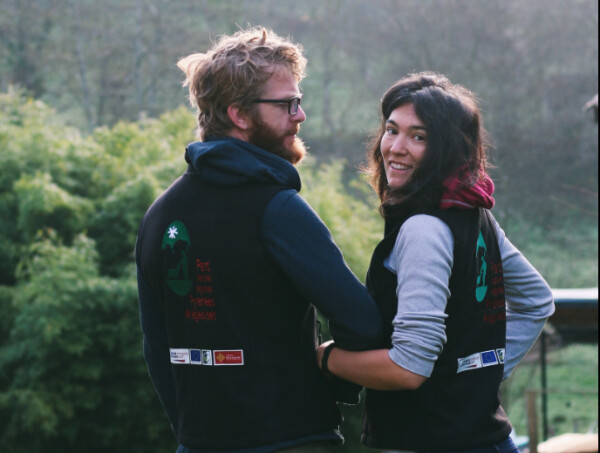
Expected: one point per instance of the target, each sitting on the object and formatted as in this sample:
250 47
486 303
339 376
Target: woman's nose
398 145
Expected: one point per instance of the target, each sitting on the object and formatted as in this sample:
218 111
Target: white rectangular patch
469 363
180 356
207 357
481 360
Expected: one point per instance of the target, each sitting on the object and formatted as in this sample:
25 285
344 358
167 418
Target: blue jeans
506 446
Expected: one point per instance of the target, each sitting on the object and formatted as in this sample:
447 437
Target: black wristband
325 357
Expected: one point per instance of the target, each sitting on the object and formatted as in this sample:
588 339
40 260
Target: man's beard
263 136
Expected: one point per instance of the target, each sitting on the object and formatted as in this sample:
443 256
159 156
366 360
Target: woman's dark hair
455 139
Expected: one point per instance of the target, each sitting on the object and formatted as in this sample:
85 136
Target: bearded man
233 264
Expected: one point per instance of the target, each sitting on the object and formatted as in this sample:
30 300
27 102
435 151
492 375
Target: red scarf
461 195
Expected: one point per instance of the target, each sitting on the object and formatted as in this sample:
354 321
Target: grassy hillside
572 377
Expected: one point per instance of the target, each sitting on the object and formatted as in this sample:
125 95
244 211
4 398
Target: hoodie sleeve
156 348
529 302
424 250
302 245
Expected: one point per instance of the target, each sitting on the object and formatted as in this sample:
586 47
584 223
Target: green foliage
7 316
32 139
115 226
74 357
354 224
43 204
567 257
132 150
71 369
43 178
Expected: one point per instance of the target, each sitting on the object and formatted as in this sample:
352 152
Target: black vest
242 338
458 406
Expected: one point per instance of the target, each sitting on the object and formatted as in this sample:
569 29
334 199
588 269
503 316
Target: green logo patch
176 243
481 287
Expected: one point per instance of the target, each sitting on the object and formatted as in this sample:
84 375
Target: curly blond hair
235 71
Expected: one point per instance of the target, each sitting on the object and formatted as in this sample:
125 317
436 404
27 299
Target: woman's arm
529 302
422 260
373 369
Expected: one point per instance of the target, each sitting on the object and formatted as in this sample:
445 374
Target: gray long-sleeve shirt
424 252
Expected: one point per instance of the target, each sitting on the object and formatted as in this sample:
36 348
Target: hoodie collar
230 161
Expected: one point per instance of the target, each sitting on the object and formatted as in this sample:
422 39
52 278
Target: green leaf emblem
481 288
177 246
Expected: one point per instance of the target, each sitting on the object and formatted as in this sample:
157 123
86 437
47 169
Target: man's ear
239 117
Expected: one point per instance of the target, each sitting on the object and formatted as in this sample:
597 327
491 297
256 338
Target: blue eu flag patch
195 356
488 358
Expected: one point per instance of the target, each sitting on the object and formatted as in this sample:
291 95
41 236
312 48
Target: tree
74 359
71 367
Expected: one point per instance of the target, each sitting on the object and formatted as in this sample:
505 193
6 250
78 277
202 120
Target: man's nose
299 116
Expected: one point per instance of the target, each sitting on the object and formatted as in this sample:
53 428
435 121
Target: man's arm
156 348
302 245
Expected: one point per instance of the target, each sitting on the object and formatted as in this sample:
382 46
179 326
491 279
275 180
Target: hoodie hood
228 161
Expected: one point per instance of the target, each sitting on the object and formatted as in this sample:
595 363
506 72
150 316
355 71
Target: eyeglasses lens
293 107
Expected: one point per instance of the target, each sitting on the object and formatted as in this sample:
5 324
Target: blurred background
93 126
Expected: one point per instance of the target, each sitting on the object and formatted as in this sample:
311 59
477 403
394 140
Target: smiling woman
446 136
403 145
461 305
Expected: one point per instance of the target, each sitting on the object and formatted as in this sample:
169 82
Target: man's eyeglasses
292 103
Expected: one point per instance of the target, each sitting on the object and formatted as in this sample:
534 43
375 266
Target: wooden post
532 421
544 386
